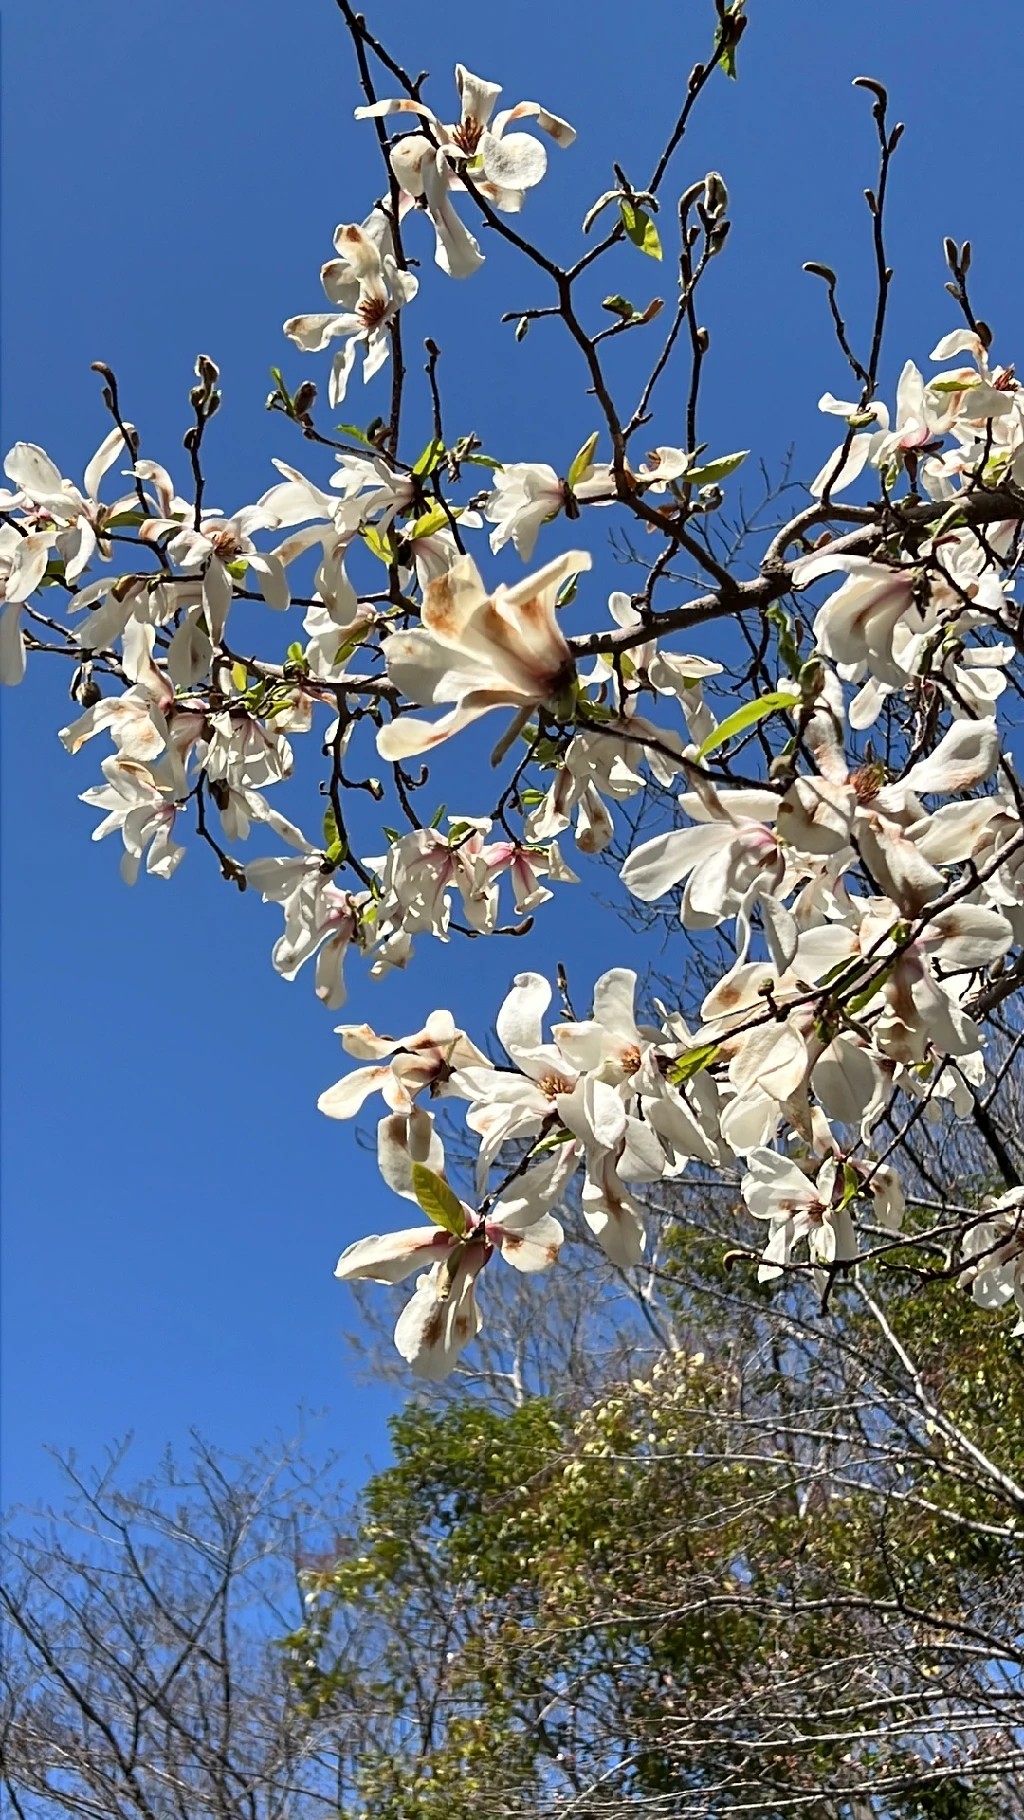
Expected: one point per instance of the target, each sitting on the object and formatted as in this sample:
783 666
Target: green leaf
581 462
330 826
691 1062
295 654
357 435
731 26
431 458
379 545
713 471
567 592
439 1202
789 650
436 519
438 816
777 702
619 306
240 677
640 228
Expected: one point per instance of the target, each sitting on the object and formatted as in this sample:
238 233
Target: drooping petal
390 1257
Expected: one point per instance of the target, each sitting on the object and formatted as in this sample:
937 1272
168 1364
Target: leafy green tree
782 1574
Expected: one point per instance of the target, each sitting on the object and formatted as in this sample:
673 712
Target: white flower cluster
872 902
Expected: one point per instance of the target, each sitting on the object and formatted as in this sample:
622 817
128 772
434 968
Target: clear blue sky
172 1202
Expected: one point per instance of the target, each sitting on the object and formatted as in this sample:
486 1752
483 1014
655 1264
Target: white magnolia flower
502 165
140 803
443 1316
367 288
481 651
731 858
528 494
399 1067
798 1206
993 1250
74 520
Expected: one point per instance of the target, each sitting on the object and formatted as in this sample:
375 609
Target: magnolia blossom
528 494
480 651
731 858
501 164
993 1250
367 288
798 1206
140 804
442 1316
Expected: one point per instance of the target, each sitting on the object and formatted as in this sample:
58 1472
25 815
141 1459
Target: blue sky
172 1202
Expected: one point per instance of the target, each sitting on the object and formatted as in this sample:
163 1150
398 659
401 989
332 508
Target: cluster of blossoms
871 903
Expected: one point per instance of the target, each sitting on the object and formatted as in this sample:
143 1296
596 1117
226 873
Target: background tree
143 1674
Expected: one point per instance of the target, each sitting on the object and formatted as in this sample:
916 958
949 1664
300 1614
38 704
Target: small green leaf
330 826
434 520
431 458
295 654
379 545
777 702
640 228
789 650
713 471
619 306
439 1202
567 591
691 1062
357 435
581 462
438 816
240 677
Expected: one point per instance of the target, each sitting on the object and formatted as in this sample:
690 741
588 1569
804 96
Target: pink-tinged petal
612 1214
408 737
30 468
442 1317
968 936
28 566
773 1058
457 252
519 1022
405 1138
344 1099
530 1243
774 1185
391 1256
965 756
106 455
217 597
312 333
556 128
380 110
273 582
12 646
614 995
659 864
845 1080
517 161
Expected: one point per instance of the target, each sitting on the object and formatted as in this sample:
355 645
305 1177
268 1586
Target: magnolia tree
851 827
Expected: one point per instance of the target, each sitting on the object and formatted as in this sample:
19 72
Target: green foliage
625 1591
